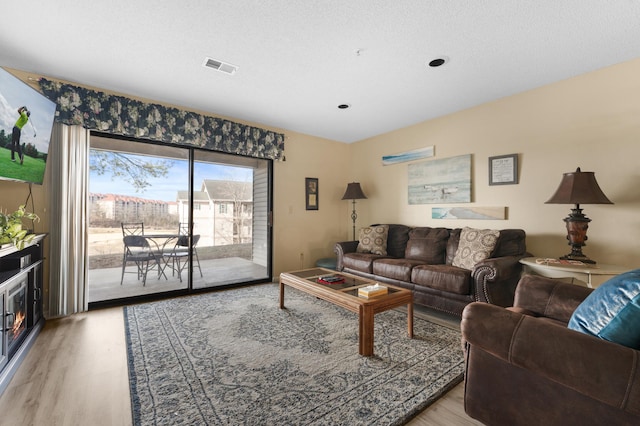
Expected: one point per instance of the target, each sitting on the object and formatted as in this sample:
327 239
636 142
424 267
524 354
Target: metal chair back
132 228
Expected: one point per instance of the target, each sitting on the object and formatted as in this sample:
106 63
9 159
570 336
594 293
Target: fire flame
17 324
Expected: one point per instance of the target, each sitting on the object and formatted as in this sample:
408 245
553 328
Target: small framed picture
503 170
311 193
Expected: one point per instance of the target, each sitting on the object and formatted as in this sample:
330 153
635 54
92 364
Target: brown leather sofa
420 259
525 367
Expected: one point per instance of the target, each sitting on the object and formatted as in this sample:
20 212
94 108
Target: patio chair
132 228
179 255
183 229
138 251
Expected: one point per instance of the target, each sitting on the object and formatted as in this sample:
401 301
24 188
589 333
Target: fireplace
16 315
21 284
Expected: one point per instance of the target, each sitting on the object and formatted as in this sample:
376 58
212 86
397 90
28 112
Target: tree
133 169
30 150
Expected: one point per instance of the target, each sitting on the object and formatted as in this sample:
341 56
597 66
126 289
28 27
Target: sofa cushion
612 311
450 279
452 245
397 240
475 246
527 312
427 244
512 242
373 239
396 269
362 262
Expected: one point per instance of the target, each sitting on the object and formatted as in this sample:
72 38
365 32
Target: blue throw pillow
612 311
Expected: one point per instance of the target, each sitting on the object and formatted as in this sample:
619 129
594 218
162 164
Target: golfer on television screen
17 131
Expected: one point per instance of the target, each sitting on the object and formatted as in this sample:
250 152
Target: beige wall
14 194
303 236
590 121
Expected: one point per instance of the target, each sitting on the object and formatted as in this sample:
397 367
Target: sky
166 188
14 94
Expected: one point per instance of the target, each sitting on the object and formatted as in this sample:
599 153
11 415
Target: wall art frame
311 193
415 154
469 213
503 169
445 180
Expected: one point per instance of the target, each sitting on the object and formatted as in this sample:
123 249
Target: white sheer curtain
69 162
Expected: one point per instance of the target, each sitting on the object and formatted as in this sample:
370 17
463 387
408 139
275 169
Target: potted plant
11 231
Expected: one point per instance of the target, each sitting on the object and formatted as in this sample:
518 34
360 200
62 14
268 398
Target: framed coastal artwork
415 154
446 180
476 213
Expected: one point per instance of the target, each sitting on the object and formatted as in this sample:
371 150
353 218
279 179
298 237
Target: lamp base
582 258
577 225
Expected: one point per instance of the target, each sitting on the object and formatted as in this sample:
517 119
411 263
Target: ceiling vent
219 66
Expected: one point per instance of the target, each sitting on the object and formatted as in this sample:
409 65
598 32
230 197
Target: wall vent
219 65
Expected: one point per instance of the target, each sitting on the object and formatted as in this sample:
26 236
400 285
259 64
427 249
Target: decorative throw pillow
612 311
475 246
373 240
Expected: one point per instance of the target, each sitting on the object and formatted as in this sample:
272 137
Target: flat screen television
23 153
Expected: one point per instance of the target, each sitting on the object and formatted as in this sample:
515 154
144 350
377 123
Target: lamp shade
578 188
354 192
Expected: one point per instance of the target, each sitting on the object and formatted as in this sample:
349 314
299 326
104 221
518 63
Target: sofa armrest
599 369
548 297
495 279
342 248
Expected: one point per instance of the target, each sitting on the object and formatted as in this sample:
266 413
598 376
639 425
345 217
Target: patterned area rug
233 357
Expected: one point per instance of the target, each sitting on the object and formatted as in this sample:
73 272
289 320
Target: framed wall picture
445 180
311 193
416 154
503 170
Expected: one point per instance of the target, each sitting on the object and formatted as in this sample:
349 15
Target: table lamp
353 193
578 188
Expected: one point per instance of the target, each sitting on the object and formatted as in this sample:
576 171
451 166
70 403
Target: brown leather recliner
525 367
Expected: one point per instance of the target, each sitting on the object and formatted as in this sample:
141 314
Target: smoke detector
221 66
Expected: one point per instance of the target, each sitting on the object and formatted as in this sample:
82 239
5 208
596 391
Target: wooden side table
591 275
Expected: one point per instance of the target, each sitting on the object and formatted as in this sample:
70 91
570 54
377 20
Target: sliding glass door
169 219
230 220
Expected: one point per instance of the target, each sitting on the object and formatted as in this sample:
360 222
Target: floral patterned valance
123 116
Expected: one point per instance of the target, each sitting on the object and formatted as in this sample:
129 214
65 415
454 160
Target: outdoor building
125 208
222 211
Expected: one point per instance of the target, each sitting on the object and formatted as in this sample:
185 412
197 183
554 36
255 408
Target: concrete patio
104 283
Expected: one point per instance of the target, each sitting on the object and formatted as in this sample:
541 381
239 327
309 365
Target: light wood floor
76 374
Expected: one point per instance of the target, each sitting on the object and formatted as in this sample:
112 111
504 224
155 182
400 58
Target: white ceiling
298 60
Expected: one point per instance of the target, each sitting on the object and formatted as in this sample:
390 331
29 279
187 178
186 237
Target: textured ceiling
298 60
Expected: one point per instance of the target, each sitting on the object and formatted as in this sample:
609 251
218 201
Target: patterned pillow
475 246
373 240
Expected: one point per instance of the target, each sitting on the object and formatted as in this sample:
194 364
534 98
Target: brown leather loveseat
420 259
525 367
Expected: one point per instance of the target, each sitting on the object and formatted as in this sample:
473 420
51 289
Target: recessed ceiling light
344 106
434 63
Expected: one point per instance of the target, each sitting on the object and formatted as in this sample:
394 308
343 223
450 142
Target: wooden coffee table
346 295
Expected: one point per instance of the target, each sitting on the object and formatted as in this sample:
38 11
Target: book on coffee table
331 279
